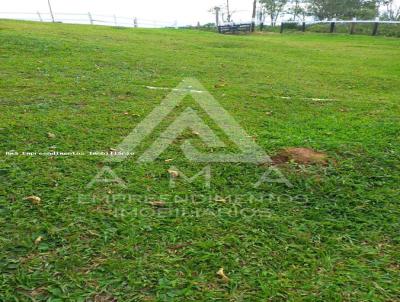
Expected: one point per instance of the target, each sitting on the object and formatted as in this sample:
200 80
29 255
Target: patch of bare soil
302 156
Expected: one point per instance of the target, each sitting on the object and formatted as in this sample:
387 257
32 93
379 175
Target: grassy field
332 236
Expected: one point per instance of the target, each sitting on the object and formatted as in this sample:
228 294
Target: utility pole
228 11
217 10
253 18
51 11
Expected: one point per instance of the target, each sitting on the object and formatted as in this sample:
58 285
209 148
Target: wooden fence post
353 26
282 24
261 26
376 26
303 27
333 24
90 18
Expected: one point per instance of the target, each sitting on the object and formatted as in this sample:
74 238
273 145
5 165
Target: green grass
333 236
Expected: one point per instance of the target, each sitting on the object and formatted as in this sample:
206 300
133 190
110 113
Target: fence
123 21
353 23
88 18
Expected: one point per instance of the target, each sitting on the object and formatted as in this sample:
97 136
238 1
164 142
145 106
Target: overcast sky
165 12
183 11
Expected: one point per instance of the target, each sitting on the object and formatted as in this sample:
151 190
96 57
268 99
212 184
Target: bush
390 30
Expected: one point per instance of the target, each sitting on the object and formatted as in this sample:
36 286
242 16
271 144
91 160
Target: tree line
296 10
299 10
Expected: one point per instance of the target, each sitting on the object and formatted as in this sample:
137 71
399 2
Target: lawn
332 235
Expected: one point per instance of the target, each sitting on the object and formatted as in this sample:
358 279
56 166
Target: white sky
183 11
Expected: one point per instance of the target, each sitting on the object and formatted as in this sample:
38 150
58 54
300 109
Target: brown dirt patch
303 156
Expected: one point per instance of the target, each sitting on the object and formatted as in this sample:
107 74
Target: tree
229 13
369 9
344 9
298 9
216 11
391 10
273 8
253 16
223 11
261 15
327 9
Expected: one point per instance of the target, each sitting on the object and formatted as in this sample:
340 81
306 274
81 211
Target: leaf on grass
221 274
219 199
158 204
51 135
34 199
103 298
38 240
38 291
173 173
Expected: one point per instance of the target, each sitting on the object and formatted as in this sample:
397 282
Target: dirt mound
303 156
